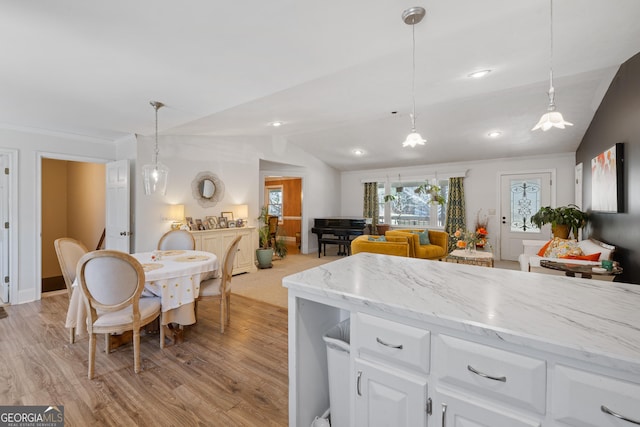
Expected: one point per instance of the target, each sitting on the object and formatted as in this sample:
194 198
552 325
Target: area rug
266 284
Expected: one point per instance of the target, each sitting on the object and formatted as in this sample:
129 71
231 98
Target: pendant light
552 118
155 175
412 16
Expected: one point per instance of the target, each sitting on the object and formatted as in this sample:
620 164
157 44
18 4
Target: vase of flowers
482 223
467 240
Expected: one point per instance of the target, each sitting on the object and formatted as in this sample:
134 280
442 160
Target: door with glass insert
522 196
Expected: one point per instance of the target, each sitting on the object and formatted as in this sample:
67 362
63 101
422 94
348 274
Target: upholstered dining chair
112 282
69 252
177 239
220 287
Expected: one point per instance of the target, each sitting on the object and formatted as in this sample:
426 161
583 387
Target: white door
4 230
522 196
118 227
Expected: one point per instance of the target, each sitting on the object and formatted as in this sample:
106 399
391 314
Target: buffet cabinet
217 241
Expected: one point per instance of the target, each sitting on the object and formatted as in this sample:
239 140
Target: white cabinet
455 411
391 366
587 399
388 397
217 241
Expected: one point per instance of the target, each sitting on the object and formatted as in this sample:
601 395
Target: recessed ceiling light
358 152
479 74
276 124
494 134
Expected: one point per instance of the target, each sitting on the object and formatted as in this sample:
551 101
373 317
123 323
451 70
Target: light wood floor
236 379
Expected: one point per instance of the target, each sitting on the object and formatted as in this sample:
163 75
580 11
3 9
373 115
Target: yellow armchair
394 245
437 249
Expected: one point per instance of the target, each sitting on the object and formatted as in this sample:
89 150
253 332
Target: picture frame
239 223
212 221
227 215
231 224
607 178
190 223
199 224
222 221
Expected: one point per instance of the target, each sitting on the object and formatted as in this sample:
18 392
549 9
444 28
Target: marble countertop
591 320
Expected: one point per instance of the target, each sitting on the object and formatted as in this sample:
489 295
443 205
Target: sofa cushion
561 247
377 239
543 249
423 236
590 246
592 257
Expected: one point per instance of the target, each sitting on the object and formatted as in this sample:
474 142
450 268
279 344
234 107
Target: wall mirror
207 189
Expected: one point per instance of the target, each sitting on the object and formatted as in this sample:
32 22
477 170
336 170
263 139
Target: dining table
172 275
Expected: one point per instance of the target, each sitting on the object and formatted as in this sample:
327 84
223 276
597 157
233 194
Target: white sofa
530 260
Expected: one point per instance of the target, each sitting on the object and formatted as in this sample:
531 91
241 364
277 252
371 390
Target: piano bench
335 241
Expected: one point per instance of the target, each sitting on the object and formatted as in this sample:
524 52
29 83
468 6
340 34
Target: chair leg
72 335
223 314
161 321
92 354
136 350
107 343
228 310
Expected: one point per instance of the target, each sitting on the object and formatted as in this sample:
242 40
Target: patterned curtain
370 204
456 217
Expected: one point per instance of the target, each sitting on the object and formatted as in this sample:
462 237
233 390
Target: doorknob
125 233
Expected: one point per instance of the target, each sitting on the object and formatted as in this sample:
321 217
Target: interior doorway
284 195
72 205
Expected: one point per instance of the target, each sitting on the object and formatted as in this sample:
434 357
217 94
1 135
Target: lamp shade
176 212
550 120
413 139
155 178
240 211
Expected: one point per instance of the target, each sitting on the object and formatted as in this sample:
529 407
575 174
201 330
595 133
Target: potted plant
264 253
563 220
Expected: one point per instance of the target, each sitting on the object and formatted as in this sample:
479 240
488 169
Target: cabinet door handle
444 415
615 414
483 375
386 344
358 382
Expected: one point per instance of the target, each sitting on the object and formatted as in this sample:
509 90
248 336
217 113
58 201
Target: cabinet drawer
492 373
381 339
581 399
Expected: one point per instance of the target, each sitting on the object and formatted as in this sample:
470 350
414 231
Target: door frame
14 221
40 155
500 175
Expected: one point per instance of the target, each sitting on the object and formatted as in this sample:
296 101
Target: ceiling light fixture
155 175
494 134
276 124
358 152
552 118
479 74
412 16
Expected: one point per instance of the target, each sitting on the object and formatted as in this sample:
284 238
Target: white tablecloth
175 277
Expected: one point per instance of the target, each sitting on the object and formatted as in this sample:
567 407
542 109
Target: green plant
432 190
263 229
280 247
569 215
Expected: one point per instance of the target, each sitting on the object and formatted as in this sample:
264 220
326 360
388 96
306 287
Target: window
410 209
274 201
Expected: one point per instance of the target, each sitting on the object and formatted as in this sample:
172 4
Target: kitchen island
453 344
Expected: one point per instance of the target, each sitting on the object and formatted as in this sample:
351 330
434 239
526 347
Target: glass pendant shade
552 119
155 178
413 139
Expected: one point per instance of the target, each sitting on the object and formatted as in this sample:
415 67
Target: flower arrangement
466 239
481 229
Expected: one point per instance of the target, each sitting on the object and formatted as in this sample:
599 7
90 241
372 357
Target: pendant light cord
156 151
413 78
552 92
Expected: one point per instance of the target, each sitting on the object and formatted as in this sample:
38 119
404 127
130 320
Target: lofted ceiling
337 73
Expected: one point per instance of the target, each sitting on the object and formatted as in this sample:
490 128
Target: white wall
481 185
31 147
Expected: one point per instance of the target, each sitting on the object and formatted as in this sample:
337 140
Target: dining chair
272 221
177 239
112 282
69 252
220 287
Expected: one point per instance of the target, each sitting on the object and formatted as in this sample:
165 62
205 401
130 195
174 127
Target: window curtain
370 204
455 217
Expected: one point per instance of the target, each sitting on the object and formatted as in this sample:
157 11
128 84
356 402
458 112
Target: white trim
14 224
40 155
58 134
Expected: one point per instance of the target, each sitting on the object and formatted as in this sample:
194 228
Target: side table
585 271
477 257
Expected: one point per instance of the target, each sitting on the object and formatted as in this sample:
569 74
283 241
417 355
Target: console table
216 241
475 257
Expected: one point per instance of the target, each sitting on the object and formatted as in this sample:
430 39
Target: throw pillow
377 239
560 247
423 236
543 249
591 257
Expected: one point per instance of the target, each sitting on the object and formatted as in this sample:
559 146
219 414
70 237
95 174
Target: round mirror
207 188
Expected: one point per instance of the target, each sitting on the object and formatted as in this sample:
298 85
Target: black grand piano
337 231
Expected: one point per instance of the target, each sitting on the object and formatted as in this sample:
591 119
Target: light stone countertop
590 320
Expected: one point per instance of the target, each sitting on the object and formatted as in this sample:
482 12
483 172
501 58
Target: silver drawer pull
386 344
615 414
444 415
483 375
358 382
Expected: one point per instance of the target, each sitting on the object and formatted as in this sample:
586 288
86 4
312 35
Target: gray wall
617 120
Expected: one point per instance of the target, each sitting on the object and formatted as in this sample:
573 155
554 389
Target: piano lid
339 222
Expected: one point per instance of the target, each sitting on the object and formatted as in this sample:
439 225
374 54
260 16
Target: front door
522 195
118 228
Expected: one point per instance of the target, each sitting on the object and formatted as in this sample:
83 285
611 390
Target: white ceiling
333 71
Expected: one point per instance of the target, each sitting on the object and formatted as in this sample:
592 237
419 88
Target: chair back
177 239
227 264
69 252
110 280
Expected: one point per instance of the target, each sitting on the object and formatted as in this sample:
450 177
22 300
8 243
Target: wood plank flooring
236 379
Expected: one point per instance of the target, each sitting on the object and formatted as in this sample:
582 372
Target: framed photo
222 221
607 177
190 223
212 221
231 224
199 224
239 223
227 215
